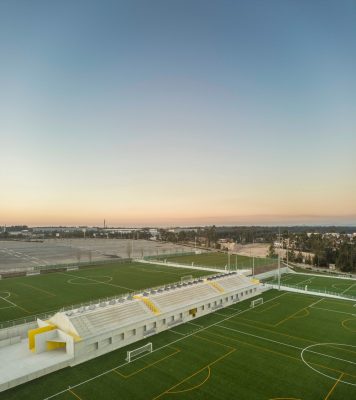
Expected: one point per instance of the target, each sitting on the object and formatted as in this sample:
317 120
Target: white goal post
256 302
133 353
186 278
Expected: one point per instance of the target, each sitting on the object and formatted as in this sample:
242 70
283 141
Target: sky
177 112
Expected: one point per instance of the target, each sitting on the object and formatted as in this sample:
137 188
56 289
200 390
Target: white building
87 332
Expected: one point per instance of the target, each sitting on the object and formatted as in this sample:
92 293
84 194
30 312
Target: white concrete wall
103 343
9 341
69 342
18 330
33 375
64 323
41 340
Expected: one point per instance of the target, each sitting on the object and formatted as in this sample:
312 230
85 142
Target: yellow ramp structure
53 345
216 286
149 303
33 332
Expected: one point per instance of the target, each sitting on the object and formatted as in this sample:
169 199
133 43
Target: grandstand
89 331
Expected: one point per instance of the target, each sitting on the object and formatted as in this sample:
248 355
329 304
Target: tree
129 250
211 234
271 251
299 257
291 255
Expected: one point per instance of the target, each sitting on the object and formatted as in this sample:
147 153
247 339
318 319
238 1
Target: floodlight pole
279 270
287 254
279 260
253 261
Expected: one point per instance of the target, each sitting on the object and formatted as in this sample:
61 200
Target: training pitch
293 346
318 283
20 255
25 296
221 260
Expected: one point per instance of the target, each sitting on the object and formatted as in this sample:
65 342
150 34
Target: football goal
186 278
133 353
256 302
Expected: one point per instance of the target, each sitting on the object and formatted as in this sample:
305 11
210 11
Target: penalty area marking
8 294
12 304
306 349
89 278
342 284
157 349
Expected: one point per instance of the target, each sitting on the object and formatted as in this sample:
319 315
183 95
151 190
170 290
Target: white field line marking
287 278
316 302
340 312
156 271
285 344
223 315
13 304
157 349
306 280
347 289
192 323
178 333
94 280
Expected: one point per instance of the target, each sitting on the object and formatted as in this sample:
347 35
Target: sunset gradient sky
177 112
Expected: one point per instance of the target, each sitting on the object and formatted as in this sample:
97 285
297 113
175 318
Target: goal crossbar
256 302
133 353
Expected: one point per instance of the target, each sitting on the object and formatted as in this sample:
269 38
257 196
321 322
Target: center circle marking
321 373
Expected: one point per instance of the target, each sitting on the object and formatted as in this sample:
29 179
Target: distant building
177 230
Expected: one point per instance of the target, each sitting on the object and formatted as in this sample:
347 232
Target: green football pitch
221 260
25 296
318 283
293 346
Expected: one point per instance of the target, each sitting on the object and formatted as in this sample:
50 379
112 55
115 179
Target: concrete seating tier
104 319
234 282
180 297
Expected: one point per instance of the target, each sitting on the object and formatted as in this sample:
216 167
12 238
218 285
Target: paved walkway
19 364
185 266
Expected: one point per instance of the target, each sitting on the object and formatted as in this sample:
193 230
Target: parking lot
17 255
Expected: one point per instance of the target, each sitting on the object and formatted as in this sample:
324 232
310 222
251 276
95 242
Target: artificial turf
221 260
292 346
318 283
25 296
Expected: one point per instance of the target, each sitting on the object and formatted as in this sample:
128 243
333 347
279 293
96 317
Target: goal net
256 302
133 353
186 278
